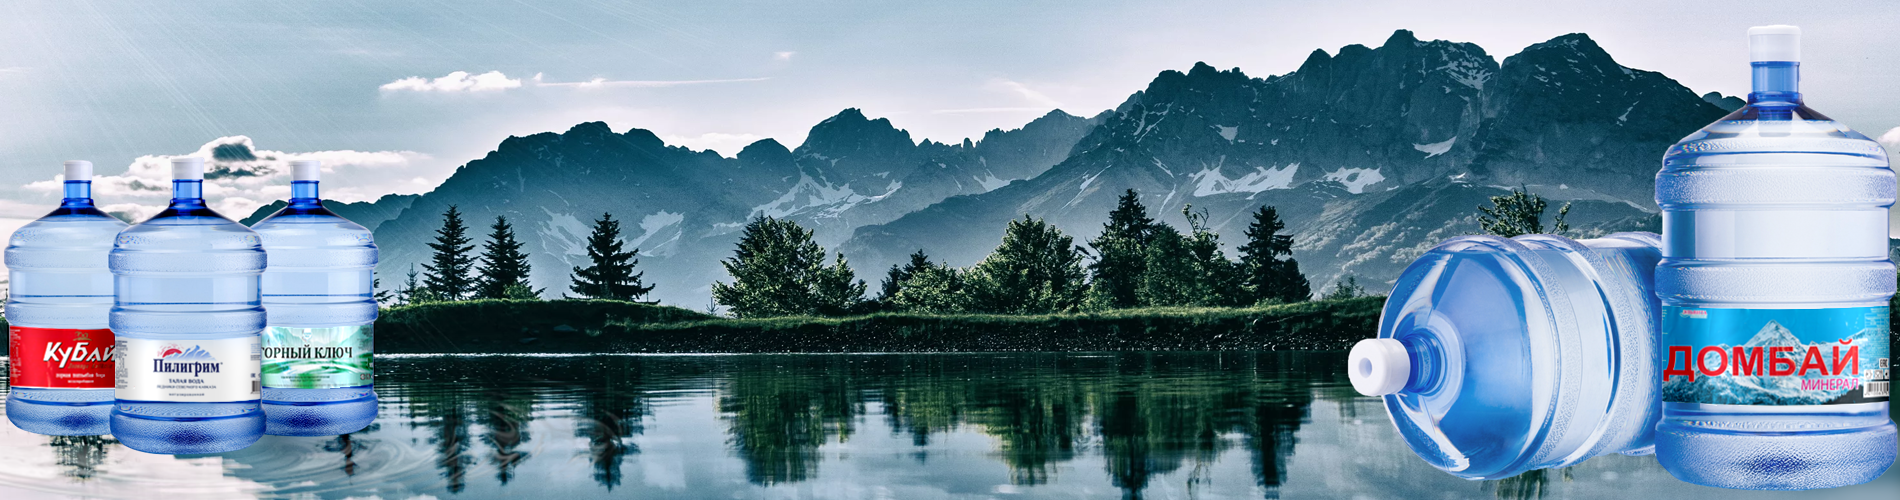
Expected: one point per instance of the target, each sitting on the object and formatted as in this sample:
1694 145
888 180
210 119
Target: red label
60 358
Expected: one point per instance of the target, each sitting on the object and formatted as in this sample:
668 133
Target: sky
395 95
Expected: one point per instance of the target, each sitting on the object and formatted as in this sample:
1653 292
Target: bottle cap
189 168
1378 367
306 170
78 170
1780 42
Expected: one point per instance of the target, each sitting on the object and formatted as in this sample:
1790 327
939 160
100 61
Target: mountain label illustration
206 371
1840 356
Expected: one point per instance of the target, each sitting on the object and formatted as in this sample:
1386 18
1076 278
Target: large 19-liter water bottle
1775 283
60 292
319 293
1500 356
187 318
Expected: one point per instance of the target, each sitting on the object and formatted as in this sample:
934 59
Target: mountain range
1371 155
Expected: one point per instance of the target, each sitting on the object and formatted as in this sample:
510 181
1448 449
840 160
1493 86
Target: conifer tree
610 274
895 278
1266 261
1190 269
1120 254
503 265
448 269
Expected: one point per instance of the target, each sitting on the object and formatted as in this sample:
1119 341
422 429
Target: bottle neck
1776 82
78 195
303 194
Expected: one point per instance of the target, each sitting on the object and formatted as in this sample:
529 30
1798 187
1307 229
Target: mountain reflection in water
1130 425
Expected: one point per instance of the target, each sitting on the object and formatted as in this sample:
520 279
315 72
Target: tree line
778 269
502 269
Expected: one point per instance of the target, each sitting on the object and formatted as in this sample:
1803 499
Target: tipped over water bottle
187 318
1775 281
60 293
1501 356
319 293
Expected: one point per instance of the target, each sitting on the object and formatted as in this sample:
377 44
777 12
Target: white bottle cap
189 168
1378 367
306 170
78 170
1780 42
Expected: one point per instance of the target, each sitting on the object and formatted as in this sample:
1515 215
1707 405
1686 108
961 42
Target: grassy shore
595 326
602 326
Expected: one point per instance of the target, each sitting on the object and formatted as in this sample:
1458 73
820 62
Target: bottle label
59 358
191 371
317 358
1776 357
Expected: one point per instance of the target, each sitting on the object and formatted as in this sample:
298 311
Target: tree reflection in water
1147 413
79 457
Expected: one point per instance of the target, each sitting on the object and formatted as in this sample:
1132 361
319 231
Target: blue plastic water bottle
1501 356
319 293
187 318
60 293
1774 282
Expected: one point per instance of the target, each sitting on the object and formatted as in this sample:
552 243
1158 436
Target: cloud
493 81
459 81
1891 139
603 82
783 55
239 178
1027 94
726 144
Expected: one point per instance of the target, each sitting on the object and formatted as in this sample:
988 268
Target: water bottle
1774 282
187 319
319 294
60 292
1500 356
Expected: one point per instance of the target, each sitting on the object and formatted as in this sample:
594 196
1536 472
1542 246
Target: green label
317 358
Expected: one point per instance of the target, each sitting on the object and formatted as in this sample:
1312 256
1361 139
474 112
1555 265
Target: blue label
1775 356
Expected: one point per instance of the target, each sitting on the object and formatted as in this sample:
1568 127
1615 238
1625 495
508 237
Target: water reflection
1135 425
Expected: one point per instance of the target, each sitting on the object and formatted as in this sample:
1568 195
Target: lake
912 427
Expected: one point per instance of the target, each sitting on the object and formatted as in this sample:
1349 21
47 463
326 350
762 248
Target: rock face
1371 155
683 208
366 213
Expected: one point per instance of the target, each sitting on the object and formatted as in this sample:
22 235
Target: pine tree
1190 269
1035 270
610 274
447 275
895 278
1346 288
933 289
411 292
1120 251
1269 272
503 265
1520 213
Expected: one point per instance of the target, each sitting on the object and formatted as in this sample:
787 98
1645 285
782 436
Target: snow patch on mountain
651 225
990 182
809 194
1356 179
564 236
1436 148
1227 132
1211 181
